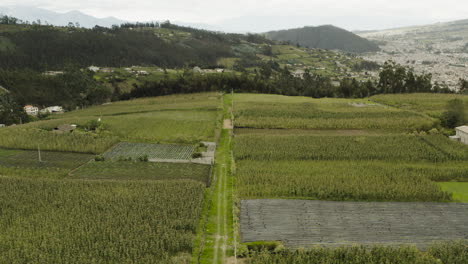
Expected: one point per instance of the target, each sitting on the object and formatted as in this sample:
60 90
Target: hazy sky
255 15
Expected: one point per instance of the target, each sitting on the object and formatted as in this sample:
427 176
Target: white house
462 134
52 109
31 110
94 68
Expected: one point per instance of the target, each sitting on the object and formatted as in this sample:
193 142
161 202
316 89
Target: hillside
52 48
324 37
440 49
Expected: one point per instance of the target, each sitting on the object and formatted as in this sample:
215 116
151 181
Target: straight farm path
217 242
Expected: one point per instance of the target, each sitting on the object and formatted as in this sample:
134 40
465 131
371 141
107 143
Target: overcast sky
256 16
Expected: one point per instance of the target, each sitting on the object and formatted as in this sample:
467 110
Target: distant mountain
458 28
58 19
324 37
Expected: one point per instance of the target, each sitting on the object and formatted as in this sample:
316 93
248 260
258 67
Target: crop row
386 147
32 138
441 253
344 180
317 115
143 171
48 221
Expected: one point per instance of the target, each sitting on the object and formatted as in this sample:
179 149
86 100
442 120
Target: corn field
341 180
48 221
32 138
385 147
323 114
444 253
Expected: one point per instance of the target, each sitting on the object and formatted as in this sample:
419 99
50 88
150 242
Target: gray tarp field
302 223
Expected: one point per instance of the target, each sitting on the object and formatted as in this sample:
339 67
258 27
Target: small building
298 74
142 73
197 69
31 110
52 109
462 134
106 70
2 125
53 73
94 68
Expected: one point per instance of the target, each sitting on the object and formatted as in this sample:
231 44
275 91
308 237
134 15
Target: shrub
99 158
196 155
143 158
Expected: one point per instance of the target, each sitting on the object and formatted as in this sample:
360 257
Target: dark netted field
303 223
153 151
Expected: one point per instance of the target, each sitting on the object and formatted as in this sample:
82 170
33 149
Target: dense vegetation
51 221
128 170
389 147
183 119
74 88
442 253
345 180
324 37
52 48
306 113
287 154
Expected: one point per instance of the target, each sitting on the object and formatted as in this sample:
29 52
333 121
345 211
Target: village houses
31 110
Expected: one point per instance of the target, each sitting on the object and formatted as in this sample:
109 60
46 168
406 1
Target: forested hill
324 37
41 47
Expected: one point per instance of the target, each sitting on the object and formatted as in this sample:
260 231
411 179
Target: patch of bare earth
228 124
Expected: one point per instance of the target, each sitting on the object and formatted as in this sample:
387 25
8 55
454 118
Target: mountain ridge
324 37
31 14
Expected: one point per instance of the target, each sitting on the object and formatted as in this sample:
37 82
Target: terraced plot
153 151
300 223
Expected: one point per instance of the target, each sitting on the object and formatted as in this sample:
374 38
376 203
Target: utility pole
39 153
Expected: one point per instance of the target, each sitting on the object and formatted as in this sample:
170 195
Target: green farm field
387 147
183 119
53 165
347 180
128 170
431 104
341 149
284 112
66 221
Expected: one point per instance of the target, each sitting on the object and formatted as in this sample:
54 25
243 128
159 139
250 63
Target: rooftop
463 128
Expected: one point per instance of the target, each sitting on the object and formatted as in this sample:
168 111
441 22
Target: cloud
350 14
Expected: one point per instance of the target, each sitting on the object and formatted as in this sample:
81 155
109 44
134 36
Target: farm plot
267 111
431 104
182 102
388 147
300 223
346 180
49 221
143 171
29 137
126 150
26 163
